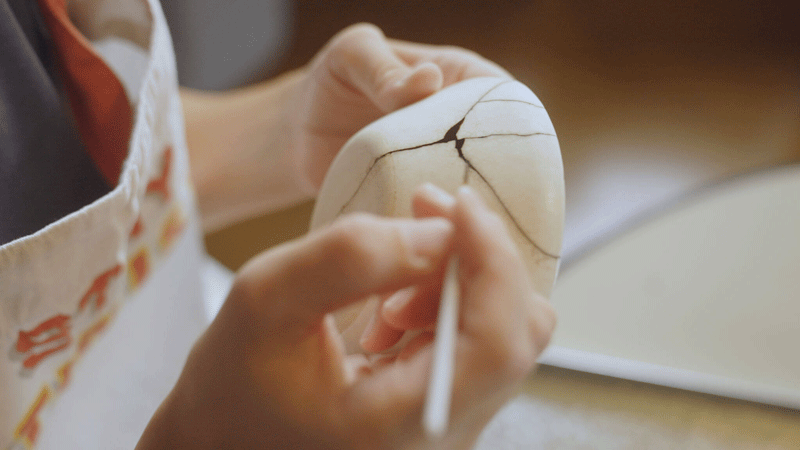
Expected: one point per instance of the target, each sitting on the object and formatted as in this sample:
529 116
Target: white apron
99 309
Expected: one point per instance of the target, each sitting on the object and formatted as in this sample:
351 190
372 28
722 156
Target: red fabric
99 102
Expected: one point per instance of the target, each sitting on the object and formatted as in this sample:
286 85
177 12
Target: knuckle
245 295
247 285
522 362
354 48
505 348
348 235
544 322
342 54
514 345
354 242
516 357
362 30
369 237
349 41
548 322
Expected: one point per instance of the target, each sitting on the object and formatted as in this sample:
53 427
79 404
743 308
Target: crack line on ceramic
448 136
452 135
511 216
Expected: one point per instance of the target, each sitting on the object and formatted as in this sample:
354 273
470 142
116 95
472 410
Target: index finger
360 254
361 57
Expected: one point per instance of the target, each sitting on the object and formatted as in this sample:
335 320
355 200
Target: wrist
241 157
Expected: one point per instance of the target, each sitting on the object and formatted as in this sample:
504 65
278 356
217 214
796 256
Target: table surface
574 410
567 409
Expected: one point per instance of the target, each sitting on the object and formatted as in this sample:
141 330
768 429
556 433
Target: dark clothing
45 173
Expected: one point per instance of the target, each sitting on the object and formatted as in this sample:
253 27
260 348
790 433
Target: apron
99 310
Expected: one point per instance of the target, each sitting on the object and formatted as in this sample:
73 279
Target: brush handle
440 388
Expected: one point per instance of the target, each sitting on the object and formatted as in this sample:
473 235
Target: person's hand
270 372
359 76
264 147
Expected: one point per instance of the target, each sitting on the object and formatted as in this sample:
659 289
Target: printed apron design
82 279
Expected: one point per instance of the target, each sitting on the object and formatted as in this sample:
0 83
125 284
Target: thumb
293 286
361 57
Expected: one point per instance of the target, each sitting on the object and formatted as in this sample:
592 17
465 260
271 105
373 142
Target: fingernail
471 196
398 301
402 78
438 195
428 238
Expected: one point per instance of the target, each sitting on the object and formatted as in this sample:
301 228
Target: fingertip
468 195
467 203
391 310
419 82
369 332
426 78
430 200
428 239
379 335
470 206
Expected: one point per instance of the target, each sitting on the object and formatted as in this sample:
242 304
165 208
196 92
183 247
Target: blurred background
650 100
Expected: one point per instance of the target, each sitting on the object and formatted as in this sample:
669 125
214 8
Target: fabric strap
102 111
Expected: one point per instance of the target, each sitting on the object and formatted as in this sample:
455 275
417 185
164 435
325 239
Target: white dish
704 296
